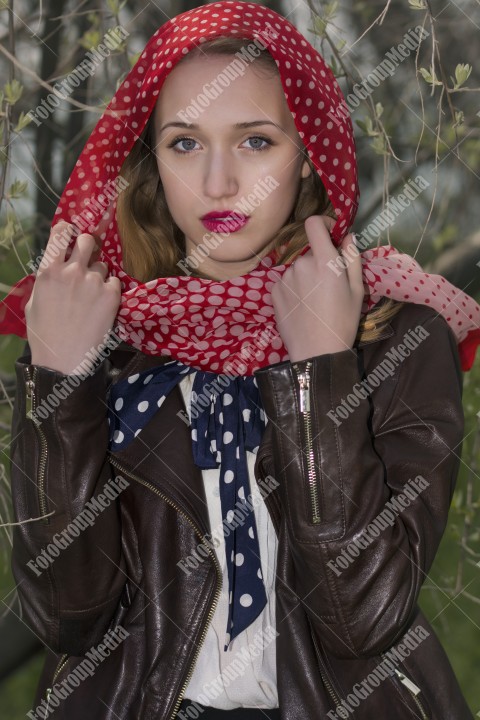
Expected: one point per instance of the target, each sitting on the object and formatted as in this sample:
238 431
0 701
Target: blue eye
186 151
262 139
181 140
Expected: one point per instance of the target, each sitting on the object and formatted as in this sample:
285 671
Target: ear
306 169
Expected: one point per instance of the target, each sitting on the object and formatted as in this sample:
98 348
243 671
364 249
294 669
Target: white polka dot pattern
238 315
227 419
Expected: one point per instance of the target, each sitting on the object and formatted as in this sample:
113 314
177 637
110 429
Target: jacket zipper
412 689
323 674
29 410
217 568
304 383
61 663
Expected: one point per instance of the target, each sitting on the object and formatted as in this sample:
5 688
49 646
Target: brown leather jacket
335 624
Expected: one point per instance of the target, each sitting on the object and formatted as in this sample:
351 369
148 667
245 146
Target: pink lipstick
225 221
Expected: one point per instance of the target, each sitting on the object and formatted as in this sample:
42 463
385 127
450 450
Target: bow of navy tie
225 423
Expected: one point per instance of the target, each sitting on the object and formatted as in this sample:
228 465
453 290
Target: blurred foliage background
423 120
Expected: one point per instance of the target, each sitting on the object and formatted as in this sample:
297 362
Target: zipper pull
409 684
49 690
304 393
29 386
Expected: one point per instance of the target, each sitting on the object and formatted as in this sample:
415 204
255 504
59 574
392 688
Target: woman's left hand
317 308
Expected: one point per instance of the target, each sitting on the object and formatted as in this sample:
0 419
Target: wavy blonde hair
153 245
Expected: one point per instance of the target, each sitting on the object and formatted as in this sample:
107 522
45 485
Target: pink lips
224 221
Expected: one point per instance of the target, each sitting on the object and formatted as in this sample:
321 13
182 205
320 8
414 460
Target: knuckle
44 271
84 241
59 236
73 270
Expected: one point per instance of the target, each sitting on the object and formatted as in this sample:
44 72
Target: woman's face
217 165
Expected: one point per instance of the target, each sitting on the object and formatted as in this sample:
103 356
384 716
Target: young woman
234 448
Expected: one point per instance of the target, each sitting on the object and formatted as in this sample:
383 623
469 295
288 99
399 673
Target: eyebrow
237 126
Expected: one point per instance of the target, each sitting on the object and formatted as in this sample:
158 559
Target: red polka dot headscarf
229 326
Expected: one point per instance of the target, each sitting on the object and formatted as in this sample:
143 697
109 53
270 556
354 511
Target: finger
82 251
353 261
99 267
60 237
97 251
323 249
329 222
114 282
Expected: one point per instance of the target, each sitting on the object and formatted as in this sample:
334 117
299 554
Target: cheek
288 180
177 189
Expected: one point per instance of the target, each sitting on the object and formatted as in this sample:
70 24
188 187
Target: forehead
211 83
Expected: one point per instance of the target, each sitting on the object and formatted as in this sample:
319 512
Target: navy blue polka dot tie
225 423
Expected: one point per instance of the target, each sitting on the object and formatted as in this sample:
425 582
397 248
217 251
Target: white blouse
230 679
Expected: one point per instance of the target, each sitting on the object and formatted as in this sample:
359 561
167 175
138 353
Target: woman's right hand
72 306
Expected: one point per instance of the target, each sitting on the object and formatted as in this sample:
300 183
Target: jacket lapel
161 454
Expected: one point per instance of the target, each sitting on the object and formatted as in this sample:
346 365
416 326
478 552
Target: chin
240 257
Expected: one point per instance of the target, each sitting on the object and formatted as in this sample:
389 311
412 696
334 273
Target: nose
220 175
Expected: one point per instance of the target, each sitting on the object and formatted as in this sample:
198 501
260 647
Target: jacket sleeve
69 576
364 513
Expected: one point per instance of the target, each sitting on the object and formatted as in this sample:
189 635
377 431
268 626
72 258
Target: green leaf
459 118
430 77
319 26
379 145
362 126
13 91
90 39
367 127
462 73
10 230
417 4
115 6
331 9
379 109
94 19
17 188
334 66
22 122
320 23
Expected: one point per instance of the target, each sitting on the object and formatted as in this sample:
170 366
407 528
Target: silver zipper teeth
63 661
304 382
30 409
330 689
411 688
217 567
